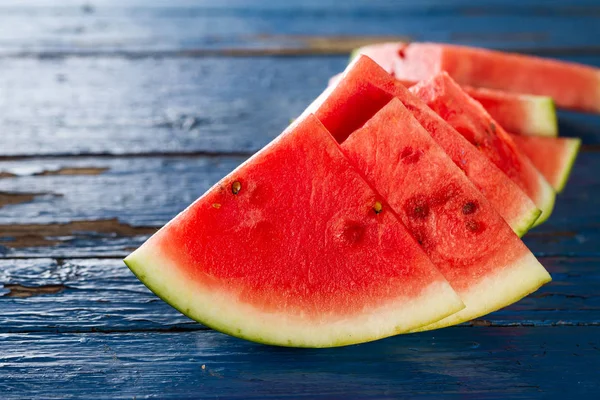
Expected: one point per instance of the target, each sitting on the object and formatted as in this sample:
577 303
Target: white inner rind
222 311
542 120
494 292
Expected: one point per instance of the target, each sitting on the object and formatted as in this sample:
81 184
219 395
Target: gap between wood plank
268 52
586 148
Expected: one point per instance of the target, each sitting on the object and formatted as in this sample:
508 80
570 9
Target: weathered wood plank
82 295
107 26
168 105
124 106
124 200
490 363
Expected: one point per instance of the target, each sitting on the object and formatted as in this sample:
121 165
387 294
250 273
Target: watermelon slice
553 157
573 86
366 87
522 114
471 120
470 243
294 248
518 113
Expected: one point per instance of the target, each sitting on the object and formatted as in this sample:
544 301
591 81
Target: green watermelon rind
509 285
543 120
180 293
354 53
525 224
545 201
574 147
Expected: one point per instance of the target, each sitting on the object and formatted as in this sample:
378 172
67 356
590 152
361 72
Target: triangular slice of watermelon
365 87
523 114
294 248
553 157
482 258
470 119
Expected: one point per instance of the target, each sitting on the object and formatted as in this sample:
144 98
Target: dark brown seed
469 208
236 187
473 226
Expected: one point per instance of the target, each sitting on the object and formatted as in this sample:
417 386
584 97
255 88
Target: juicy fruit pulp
365 88
482 258
522 114
571 85
469 118
517 113
553 157
294 248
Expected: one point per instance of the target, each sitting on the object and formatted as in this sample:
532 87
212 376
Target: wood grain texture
115 115
115 211
83 295
207 105
482 363
168 105
105 27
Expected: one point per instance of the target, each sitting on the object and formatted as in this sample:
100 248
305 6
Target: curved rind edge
547 200
574 147
226 315
526 223
542 120
511 284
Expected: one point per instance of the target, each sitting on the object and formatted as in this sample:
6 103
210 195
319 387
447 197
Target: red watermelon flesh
365 88
294 248
553 157
471 120
518 113
573 86
482 258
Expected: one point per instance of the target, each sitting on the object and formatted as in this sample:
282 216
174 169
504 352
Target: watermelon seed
469 208
473 226
236 187
216 205
377 207
493 127
417 207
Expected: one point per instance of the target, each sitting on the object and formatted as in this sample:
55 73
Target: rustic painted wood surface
115 115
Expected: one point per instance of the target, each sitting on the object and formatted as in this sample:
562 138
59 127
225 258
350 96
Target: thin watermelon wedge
482 258
365 88
553 157
522 114
471 120
573 86
294 248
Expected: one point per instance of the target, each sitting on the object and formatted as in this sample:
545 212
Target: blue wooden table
114 115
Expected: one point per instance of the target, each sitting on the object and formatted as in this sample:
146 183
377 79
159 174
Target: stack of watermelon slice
394 204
